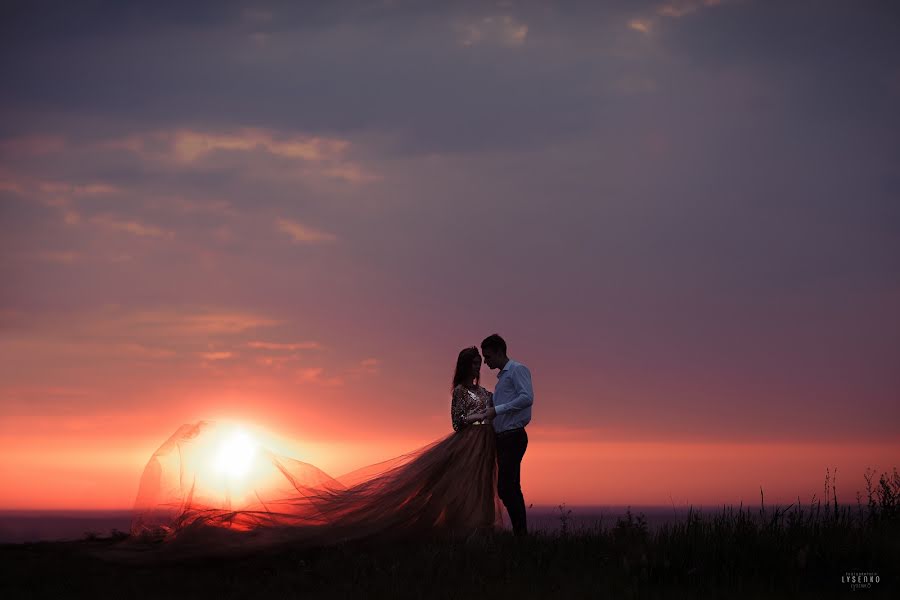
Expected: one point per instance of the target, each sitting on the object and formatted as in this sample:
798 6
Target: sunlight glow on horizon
234 455
76 471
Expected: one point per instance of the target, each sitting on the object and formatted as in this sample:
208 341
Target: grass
795 551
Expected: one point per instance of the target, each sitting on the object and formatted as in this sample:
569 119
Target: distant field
17 526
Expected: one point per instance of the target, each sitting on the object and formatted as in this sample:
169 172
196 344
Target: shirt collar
506 367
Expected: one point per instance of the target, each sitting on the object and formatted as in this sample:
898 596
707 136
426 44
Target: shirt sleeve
458 409
489 403
524 394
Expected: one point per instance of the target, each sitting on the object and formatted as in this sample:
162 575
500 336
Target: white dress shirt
513 397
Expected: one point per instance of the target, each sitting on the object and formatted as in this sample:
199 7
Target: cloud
55 351
504 30
367 366
427 90
315 375
115 344
179 323
641 25
261 152
680 8
303 234
673 9
32 145
53 192
149 332
189 145
9 186
284 346
277 362
216 355
186 205
65 257
670 175
145 351
128 226
75 189
351 173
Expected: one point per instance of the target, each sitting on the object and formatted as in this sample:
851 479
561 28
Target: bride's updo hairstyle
463 374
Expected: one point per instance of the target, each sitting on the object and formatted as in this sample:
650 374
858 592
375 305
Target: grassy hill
799 551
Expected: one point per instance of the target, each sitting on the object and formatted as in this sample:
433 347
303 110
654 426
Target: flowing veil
211 487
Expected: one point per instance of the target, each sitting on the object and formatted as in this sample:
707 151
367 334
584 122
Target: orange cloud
212 322
216 355
315 375
276 361
281 346
305 157
143 351
186 145
150 328
190 145
640 25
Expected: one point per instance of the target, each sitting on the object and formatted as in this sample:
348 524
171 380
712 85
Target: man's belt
510 431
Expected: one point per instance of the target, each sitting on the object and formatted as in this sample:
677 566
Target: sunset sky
683 216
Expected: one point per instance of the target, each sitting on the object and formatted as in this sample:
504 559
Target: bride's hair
464 366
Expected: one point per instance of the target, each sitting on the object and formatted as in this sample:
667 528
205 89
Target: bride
207 484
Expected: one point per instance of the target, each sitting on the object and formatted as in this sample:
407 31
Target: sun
233 457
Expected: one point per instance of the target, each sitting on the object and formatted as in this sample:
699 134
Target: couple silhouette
507 410
209 487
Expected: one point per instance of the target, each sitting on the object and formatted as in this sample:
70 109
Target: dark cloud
835 60
401 69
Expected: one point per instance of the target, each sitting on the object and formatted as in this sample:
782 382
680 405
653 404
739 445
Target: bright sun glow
234 455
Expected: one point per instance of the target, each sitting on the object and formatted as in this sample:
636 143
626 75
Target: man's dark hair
494 342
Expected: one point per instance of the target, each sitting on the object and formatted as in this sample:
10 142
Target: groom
513 397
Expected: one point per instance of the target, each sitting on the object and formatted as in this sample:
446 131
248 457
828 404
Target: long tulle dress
196 497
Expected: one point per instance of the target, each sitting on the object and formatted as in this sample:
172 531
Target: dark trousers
510 450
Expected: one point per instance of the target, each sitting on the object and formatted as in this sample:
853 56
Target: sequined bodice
467 401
